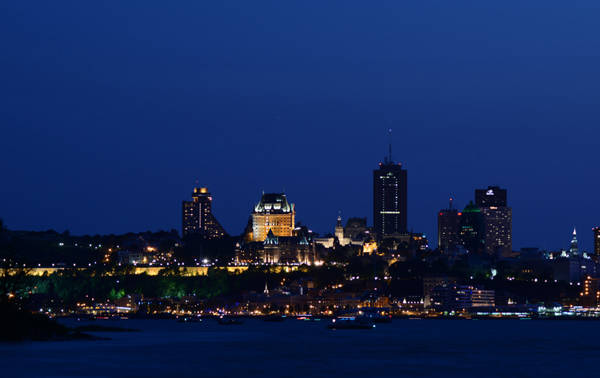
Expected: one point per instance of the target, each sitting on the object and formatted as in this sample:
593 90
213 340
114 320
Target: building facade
389 199
472 229
497 218
461 298
344 237
279 250
273 213
287 250
198 218
449 228
596 231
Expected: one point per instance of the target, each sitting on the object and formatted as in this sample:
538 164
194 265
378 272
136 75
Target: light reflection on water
299 349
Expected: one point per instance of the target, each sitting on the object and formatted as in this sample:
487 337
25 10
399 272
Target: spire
574 250
451 201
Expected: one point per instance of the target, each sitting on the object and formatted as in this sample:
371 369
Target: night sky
110 112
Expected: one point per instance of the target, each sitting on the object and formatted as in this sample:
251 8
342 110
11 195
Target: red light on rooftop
459 213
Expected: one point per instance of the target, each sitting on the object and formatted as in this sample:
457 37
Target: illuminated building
389 198
369 247
597 242
273 213
574 249
590 295
492 196
279 250
431 282
448 228
497 218
198 218
472 231
461 298
287 250
343 238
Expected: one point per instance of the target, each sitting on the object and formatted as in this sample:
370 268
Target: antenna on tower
451 201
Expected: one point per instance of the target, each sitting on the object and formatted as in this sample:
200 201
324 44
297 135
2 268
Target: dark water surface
413 348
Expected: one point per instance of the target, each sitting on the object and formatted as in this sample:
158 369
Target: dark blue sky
110 112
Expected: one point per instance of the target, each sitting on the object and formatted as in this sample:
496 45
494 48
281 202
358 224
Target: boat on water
377 317
228 320
189 319
274 318
308 318
351 322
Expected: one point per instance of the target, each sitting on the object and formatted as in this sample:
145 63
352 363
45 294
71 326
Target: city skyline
433 236
111 134
207 188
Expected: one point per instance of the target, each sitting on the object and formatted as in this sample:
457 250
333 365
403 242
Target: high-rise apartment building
497 217
198 218
273 213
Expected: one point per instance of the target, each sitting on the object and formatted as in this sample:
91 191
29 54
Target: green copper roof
471 208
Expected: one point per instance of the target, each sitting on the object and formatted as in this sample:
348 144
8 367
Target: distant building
461 298
287 250
497 218
127 257
449 228
273 213
472 229
596 231
571 265
198 218
279 250
356 228
574 249
389 198
590 295
431 282
369 247
492 196
343 238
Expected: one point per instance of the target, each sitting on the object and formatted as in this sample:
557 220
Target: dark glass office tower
472 229
198 217
448 228
596 231
389 198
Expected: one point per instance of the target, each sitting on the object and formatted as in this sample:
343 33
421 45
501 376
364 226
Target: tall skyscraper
389 198
492 196
273 213
448 228
198 217
472 229
596 242
497 218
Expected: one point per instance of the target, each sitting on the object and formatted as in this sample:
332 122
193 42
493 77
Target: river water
293 348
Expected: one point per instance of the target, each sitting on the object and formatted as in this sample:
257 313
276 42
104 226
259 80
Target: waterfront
296 348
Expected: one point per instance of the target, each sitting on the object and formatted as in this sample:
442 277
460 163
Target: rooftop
273 203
